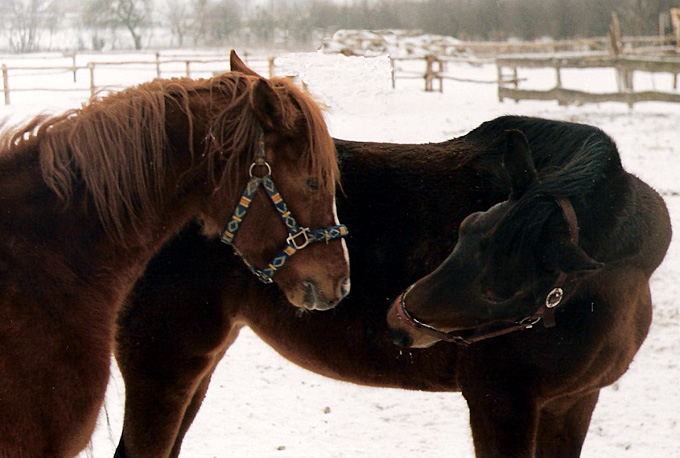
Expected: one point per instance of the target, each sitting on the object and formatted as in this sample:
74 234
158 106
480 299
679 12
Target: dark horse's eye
312 184
491 296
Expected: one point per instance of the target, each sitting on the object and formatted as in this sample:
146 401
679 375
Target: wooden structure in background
156 64
617 58
675 23
564 96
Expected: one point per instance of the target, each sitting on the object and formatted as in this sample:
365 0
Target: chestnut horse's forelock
300 117
118 146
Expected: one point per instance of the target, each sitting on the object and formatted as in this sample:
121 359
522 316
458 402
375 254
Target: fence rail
156 66
435 70
624 66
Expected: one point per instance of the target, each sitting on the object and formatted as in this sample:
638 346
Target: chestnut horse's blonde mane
119 147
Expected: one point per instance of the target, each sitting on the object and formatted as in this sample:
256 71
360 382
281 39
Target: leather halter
545 311
298 237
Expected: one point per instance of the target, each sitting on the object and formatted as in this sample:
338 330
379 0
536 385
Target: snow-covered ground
260 405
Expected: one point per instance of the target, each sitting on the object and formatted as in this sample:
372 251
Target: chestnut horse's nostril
316 300
345 287
400 338
311 294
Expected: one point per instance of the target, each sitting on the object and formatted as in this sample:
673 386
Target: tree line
302 23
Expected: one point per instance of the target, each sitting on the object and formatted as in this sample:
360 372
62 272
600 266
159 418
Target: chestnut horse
404 204
88 197
550 291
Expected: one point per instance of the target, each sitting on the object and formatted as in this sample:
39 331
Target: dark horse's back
403 205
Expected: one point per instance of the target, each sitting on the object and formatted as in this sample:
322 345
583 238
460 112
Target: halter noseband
298 237
545 311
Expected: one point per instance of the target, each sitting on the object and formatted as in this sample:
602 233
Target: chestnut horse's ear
518 163
267 104
237 65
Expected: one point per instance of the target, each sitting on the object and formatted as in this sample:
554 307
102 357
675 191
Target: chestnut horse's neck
34 219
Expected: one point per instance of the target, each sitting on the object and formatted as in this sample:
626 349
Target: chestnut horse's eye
312 184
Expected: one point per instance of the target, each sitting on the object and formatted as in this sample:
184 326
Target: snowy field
260 405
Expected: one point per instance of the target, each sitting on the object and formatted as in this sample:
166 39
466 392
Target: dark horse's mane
118 146
588 159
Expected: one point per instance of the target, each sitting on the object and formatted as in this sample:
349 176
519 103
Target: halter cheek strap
298 237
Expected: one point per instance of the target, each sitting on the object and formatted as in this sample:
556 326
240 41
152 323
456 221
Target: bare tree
223 19
25 20
133 15
97 17
201 17
179 20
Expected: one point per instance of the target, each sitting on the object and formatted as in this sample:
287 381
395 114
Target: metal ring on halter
264 164
554 297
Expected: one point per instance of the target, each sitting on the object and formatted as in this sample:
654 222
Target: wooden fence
625 66
434 71
584 53
498 48
156 65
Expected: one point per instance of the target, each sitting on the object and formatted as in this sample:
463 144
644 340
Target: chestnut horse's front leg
503 424
563 426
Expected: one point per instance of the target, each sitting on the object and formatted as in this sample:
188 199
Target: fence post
392 73
75 69
499 73
187 68
270 60
5 83
440 70
428 72
90 66
158 64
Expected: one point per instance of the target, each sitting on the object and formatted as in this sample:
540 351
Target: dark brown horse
403 204
550 290
87 198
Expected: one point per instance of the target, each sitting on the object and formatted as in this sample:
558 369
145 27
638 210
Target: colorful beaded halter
298 237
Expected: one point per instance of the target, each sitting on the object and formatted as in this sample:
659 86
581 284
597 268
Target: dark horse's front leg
158 413
563 426
503 424
508 424
167 371
173 331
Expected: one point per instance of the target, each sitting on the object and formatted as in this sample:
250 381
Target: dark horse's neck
574 161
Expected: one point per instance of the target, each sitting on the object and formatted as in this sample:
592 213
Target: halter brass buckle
293 238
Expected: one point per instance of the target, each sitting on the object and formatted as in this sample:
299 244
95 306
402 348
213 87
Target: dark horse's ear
568 257
267 104
518 163
237 65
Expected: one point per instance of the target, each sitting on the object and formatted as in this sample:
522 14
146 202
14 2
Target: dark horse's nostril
400 338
